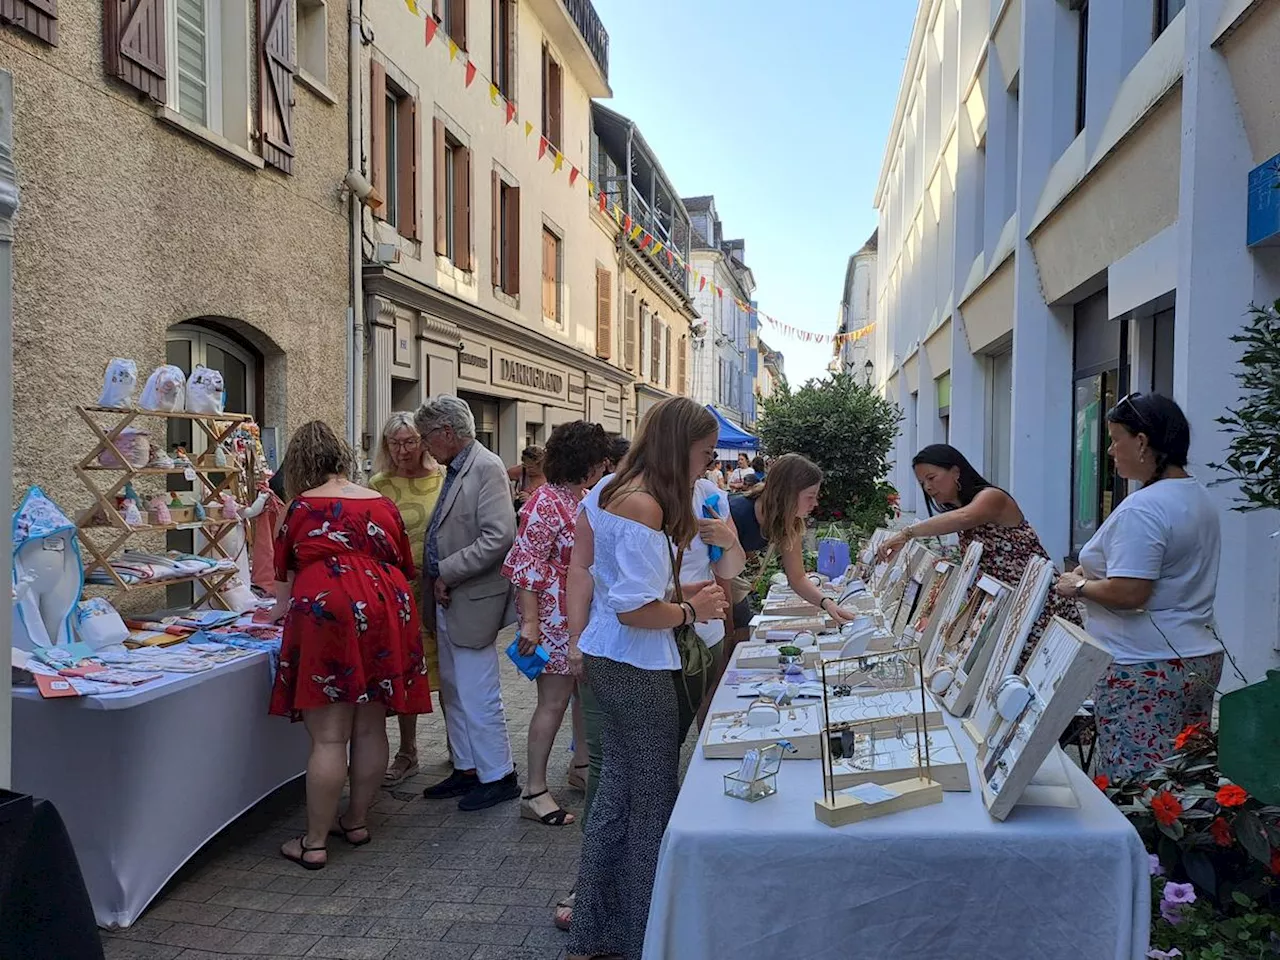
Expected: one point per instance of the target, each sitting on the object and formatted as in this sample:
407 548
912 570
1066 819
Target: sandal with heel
578 780
559 817
345 832
301 859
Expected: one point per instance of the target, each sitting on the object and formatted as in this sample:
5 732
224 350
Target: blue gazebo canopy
733 439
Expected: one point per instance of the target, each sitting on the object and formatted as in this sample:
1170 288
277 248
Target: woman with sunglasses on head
961 501
1148 579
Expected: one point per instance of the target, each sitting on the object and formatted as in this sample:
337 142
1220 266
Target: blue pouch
710 512
531 665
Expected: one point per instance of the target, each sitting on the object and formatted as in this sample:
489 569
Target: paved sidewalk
435 884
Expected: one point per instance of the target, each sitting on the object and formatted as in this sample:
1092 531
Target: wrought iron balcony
596 37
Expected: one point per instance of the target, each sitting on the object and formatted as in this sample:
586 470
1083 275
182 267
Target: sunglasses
1127 400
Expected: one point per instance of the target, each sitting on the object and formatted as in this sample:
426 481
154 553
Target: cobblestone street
434 884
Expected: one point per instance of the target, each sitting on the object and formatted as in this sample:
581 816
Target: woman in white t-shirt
1148 578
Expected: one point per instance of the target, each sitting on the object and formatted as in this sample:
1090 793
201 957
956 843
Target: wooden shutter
441 188
511 241
604 313
549 275
546 91
38 17
495 43
408 168
276 68
682 371
458 22
655 348
629 330
555 95
666 356
133 45
462 207
378 133
495 230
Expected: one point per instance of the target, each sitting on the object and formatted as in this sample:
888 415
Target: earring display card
1024 610
921 580
728 735
1063 670
893 752
918 630
967 659
954 606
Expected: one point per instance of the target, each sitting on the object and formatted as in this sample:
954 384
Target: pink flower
1171 912
1169 954
1153 865
1179 893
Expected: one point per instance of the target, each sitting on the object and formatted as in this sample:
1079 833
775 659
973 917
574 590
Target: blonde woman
406 474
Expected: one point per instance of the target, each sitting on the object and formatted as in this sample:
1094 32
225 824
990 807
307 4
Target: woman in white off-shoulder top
631 529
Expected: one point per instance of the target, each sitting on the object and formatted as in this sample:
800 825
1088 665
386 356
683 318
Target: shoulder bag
697 663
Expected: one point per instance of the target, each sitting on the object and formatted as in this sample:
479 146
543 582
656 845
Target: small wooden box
912 793
183 514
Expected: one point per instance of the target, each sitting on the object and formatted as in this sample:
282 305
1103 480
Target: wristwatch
1080 588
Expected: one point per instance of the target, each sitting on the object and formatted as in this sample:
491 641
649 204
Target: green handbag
697 662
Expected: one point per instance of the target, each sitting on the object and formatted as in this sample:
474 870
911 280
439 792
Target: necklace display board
966 650
1034 708
1024 609
916 587
960 591
919 629
907 563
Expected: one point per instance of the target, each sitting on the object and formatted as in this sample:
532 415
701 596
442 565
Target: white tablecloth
144 778
764 880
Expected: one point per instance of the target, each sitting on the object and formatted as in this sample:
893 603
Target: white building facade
1066 216
858 312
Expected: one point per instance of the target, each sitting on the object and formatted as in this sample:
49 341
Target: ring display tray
1061 673
963 655
1024 610
728 735
889 752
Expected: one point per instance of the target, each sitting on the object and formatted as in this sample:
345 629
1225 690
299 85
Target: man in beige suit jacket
471 530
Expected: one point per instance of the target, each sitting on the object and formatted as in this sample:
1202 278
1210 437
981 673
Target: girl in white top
1148 578
627 538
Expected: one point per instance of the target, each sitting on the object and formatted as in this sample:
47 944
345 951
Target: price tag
942 567
987 585
190 473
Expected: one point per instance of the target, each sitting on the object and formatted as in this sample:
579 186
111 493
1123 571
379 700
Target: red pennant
626 224
671 260
573 175
645 241
432 27
471 72
542 147
701 284
602 201
720 292
511 111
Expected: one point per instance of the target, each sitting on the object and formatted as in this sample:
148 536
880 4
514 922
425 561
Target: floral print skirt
1141 707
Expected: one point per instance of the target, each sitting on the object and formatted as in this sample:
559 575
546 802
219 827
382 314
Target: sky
784 123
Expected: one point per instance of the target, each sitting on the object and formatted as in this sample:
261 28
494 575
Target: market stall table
145 777
766 880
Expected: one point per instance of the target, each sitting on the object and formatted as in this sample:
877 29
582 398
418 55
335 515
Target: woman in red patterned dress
537 566
352 650
962 502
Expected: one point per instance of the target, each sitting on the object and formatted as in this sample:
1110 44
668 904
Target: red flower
1231 796
1102 781
1195 730
1275 861
1166 807
1221 832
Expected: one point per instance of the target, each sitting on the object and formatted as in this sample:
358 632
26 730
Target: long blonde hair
315 454
383 462
659 460
790 474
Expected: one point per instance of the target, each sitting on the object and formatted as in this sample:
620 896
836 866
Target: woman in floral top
537 566
962 502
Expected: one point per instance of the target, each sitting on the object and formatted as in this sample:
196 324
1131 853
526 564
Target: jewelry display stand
892 750
960 591
784 630
965 651
908 561
728 735
1024 610
1035 707
923 624
103 529
916 587
865 561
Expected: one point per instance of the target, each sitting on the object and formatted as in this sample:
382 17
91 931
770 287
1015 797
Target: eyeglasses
404 444
1127 400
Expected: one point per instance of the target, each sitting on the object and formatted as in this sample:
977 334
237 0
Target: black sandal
345 833
301 859
559 817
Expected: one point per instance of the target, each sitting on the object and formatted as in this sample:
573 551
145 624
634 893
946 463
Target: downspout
633 400
355 312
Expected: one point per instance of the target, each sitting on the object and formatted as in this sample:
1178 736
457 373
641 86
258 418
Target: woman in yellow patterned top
405 474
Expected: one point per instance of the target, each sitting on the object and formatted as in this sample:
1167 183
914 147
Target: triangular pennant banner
511 110
626 224
453 50
573 175
542 147
413 6
603 201
702 284
432 27
493 94
645 240
559 162
471 73
657 247
671 260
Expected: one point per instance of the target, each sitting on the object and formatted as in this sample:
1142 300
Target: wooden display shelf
159 471
165 415
212 582
162 527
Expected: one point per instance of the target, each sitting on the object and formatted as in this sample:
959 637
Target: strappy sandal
559 817
345 833
578 780
404 766
564 912
301 859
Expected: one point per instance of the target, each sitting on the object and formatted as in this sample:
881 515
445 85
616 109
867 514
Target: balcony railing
675 236
593 32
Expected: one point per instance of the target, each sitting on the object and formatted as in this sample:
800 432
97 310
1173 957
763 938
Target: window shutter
435 10
549 275
555 108
546 91
408 162
378 132
462 208
655 349
458 22
276 68
441 188
133 44
604 313
495 39
38 17
511 238
666 357
495 229
682 372
629 330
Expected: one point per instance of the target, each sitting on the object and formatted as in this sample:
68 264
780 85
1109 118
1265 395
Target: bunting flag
657 247
626 223
602 201
702 283
493 94
637 231
528 129
573 175
511 110
559 162
471 73
453 50
432 27
413 6
542 147
670 258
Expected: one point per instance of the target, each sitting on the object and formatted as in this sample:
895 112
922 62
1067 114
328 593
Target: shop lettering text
524 375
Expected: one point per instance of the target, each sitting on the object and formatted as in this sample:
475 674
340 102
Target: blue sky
784 123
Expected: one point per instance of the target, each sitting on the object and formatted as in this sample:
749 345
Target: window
208 79
452 197
646 341
629 331
1165 11
313 40
395 152
505 236
1000 422
504 47
1082 64
552 272
604 313
552 96
1101 375
655 351
452 16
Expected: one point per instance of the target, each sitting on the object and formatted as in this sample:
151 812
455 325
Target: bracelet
688 614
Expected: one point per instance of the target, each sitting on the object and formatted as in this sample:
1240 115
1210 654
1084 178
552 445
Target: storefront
519 383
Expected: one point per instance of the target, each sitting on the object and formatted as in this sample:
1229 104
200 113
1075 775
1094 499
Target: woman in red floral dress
352 651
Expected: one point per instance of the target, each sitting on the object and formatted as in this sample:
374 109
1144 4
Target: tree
1253 453
845 427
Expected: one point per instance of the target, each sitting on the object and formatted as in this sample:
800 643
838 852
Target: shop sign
528 375
473 362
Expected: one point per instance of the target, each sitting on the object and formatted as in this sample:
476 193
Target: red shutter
441 188
629 330
378 134
511 237
604 313
133 44
276 68
38 17
462 208
495 230
408 169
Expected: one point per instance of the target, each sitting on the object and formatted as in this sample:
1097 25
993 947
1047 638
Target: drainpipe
8 210
355 312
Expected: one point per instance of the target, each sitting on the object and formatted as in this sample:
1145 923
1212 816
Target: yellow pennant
453 50
657 247
559 161
636 231
493 94
528 128
413 6
591 189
